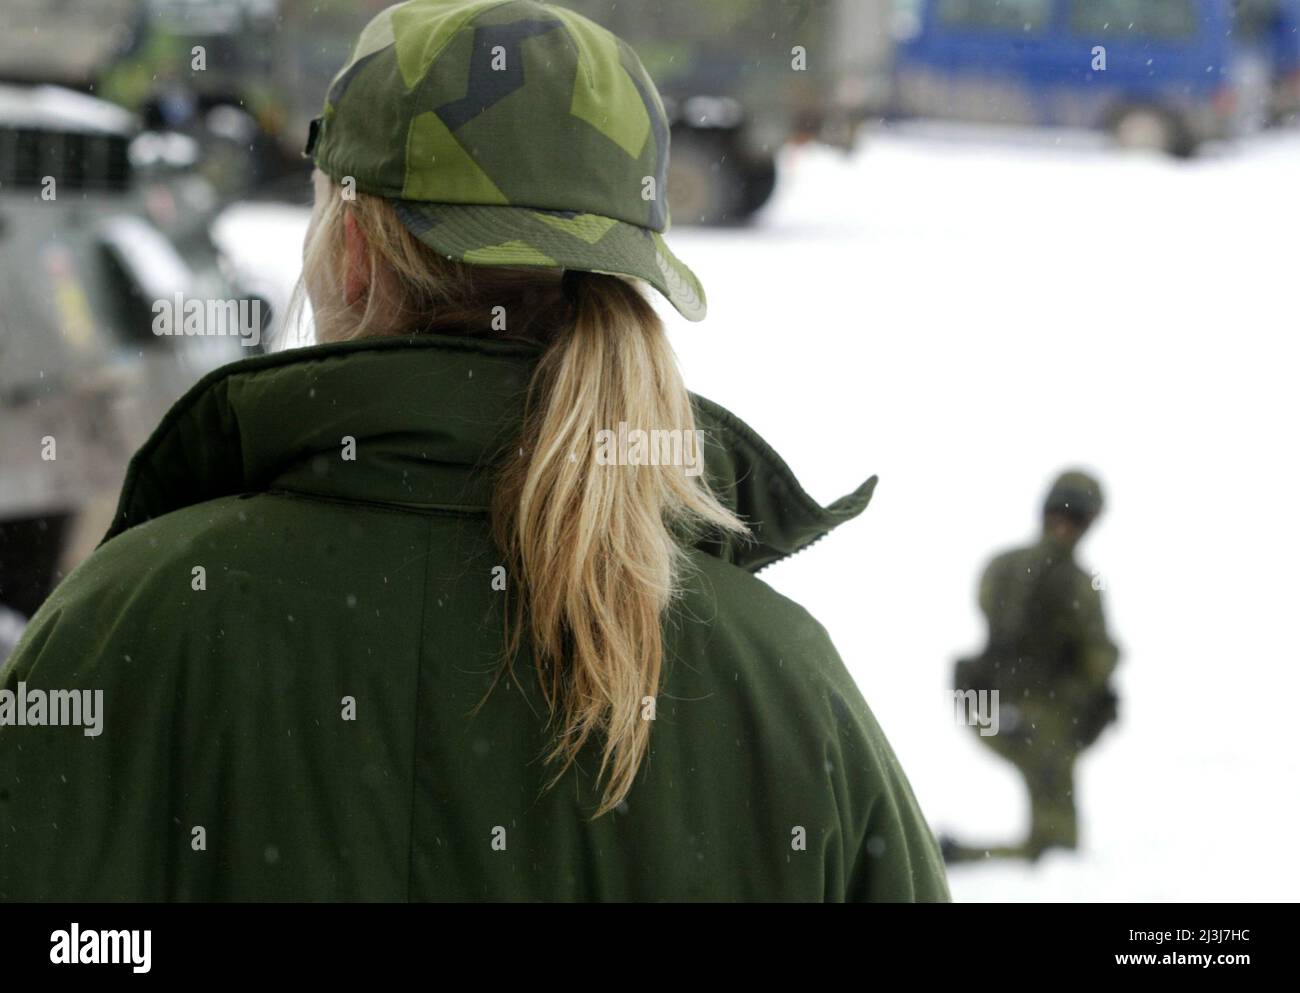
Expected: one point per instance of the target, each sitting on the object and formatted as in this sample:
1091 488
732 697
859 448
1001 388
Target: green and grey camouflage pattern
509 133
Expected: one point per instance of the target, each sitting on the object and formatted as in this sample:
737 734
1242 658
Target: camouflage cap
1075 493
509 132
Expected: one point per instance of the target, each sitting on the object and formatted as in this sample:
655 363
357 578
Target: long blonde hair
596 550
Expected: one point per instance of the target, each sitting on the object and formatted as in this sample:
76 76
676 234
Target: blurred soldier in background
1046 667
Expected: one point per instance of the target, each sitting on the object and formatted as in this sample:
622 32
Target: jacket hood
428 416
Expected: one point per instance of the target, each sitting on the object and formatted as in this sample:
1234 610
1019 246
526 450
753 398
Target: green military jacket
1047 630
291 645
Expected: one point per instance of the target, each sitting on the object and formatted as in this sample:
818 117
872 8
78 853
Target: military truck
205 68
742 78
98 223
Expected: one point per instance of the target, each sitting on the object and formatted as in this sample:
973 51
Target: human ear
356 274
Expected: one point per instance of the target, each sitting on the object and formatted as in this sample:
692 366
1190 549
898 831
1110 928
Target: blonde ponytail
597 545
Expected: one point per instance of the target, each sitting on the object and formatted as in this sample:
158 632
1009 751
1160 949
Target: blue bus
1162 74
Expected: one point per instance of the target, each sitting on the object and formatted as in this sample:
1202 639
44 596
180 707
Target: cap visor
524 236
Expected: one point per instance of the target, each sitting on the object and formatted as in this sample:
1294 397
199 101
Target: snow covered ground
966 313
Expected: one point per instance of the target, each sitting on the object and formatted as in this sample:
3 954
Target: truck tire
30 551
1152 129
705 183
759 185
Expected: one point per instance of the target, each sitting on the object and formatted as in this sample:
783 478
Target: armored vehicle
100 229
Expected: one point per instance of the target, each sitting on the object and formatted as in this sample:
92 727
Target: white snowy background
964 313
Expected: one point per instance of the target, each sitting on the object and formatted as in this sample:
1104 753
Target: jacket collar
429 415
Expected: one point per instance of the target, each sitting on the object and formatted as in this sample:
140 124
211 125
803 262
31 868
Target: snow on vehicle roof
57 108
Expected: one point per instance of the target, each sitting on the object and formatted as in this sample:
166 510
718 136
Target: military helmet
510 133
1075 494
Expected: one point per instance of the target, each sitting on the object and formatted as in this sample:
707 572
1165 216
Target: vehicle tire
1153 130
30 551
759 185
705 183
